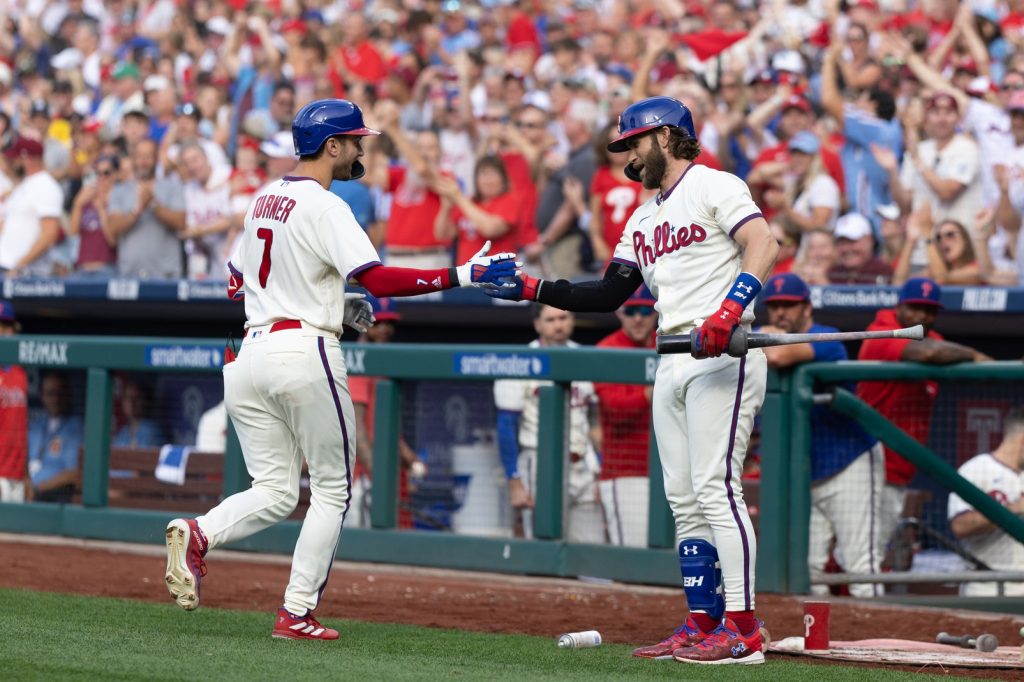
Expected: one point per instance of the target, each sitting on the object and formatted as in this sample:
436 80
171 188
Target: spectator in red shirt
491 215
613 196
14 481
97 249
625 416
415 202
908 404
364 390
357 57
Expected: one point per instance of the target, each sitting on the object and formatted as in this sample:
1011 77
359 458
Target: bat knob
738 342
986 643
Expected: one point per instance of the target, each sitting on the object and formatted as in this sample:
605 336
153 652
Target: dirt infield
455 599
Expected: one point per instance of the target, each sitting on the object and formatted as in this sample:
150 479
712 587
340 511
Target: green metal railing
395 363
785 451
792 427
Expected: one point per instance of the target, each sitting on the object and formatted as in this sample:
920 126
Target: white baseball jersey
300 245
522 395
1005 485
682 243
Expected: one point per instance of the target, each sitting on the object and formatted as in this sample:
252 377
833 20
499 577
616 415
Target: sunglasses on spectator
948 234
529 124
492 119
633 311
106 172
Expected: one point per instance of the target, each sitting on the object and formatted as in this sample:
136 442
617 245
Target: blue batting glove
518 288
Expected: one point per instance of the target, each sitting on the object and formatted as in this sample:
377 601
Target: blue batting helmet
326 118
649 114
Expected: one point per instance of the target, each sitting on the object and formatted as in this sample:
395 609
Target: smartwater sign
502 364
188 357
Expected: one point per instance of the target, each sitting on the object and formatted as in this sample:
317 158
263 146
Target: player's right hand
488 272
523 288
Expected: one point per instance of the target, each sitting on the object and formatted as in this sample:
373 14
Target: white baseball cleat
186 547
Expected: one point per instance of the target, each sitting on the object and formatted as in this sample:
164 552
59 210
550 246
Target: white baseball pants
703 414
848 505
583 520
624 500
287 395
12 490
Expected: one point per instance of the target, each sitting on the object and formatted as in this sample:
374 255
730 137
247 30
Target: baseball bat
980 643
742 340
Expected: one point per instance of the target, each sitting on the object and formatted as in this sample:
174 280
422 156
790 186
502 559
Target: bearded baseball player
702 247
287 392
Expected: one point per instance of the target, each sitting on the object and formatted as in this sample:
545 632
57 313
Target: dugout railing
100 357
786 430
784 448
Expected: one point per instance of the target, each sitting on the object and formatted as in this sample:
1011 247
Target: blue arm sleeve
508 441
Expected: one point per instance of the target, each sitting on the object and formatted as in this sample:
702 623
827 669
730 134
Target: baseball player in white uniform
1001 475
703 249
287 392
518 403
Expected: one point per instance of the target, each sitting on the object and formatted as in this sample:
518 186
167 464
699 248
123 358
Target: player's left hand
489 272
358 313
713 335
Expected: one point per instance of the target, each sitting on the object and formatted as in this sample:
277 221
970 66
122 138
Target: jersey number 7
267 235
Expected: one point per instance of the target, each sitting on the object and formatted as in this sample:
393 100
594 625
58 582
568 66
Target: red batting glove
713 335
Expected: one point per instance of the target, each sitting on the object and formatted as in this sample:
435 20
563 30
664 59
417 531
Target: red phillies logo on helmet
666 240
926 289
778 285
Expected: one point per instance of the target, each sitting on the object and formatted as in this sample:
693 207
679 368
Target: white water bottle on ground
579 640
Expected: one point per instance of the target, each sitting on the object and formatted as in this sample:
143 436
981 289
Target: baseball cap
294 25
785 287
280 146
789 61
218 25
156 82
888 211
762 76
805 142
796 102
383 309
24 146
125 70
7 312
852 226
641 297
921 291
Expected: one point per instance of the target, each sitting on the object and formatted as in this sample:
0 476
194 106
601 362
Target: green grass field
63 637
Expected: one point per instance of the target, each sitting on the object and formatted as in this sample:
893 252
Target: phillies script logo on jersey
667 239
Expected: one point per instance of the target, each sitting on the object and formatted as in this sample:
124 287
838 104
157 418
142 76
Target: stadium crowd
882 138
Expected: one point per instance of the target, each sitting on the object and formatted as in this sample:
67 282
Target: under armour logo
739 295
692 549
725 315
738 649
745 287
